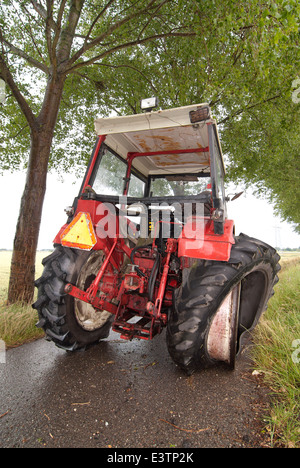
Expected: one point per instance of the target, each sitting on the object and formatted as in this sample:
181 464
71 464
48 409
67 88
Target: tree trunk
22 273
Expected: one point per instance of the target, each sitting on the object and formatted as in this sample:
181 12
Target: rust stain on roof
179 159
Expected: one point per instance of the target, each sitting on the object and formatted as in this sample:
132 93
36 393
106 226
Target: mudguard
206 245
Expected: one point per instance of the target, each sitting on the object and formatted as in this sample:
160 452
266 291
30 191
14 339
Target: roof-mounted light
149 104
199 115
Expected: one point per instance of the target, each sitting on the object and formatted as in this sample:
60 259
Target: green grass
277 354
17 322
17 325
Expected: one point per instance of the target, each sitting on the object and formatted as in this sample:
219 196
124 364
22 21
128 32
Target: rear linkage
152 319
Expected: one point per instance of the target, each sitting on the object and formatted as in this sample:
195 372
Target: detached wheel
67 321
218 302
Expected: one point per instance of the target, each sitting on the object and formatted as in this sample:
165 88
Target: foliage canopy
241 57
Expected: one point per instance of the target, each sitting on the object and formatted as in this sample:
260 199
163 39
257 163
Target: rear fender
103 239
207 245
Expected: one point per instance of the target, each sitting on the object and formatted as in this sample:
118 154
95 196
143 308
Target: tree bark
22 274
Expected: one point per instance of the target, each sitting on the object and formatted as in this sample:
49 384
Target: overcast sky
252 216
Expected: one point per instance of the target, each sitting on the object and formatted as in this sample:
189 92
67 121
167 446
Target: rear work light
202 113
149 104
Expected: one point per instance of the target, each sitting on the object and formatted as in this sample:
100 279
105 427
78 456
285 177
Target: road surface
124 395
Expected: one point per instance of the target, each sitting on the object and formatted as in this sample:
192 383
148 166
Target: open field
5 259
289 258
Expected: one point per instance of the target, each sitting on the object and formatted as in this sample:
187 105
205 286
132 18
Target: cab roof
162 133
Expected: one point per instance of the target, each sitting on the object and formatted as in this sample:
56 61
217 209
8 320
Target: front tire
251 272
70 323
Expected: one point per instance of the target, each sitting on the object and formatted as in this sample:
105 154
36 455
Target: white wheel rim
222 336
87 316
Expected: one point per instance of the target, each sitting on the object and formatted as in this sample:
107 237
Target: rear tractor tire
218 302
70 323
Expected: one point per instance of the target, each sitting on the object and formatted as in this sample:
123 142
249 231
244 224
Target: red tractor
148 245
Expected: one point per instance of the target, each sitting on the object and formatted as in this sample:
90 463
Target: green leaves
241 57
269 160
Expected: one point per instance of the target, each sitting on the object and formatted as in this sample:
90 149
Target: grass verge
17 322
277 355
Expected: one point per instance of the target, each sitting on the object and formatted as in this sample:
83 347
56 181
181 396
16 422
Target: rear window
193 185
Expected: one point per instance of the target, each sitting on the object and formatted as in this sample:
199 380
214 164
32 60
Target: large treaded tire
254 265
56 308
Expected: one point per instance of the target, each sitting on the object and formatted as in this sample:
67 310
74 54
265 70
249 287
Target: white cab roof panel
160 131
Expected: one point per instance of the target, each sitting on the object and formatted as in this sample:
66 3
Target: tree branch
97 19
42 12
87 46
20 53
24 106
127 45
16 51
49 18
58 27
67 34
131 68
247 108
152 16
31 17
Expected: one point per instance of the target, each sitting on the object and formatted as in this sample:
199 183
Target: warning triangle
80 233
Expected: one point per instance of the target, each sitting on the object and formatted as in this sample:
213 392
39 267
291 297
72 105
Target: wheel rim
87 316
222 336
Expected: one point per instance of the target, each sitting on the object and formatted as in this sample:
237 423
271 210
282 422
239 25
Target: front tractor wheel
69 322
218 302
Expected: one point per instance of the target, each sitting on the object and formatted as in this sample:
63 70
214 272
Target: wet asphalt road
125 394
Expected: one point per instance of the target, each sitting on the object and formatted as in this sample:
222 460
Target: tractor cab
160 169
167 155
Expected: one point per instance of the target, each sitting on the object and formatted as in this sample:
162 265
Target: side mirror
237 195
